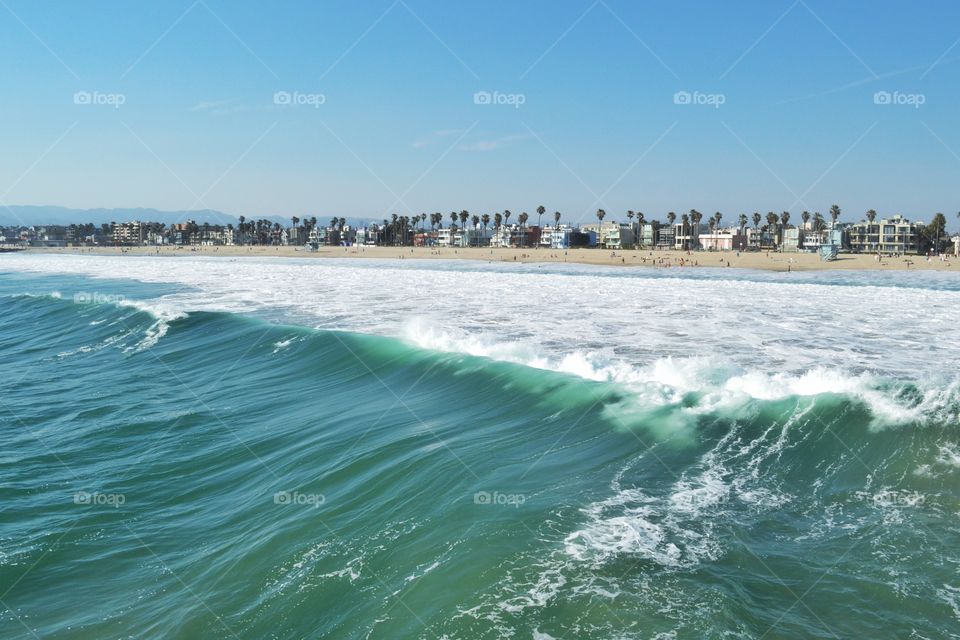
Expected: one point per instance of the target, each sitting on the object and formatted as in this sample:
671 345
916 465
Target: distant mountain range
42 215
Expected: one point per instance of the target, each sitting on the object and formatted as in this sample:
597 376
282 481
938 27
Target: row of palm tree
399 229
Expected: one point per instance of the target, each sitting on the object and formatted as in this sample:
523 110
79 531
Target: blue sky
399 131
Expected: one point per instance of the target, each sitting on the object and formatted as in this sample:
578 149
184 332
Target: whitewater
759 335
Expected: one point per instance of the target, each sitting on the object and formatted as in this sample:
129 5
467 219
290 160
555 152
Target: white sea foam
730 338
163 313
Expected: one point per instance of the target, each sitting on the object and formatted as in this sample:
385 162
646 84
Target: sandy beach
655 259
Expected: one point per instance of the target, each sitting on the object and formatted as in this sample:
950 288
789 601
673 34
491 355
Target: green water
219 475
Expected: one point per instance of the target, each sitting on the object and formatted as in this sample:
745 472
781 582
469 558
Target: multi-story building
793 238
448 237
666 237
723 240
896 236
127 233
555 237
611 235
475 237
515 236
317 236
688 236
647 234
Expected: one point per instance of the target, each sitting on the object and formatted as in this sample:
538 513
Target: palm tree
834 214
475 220
630 215
523 228
818 226
784 219
805 216
600 216
936 228
671 217
506 221
742 227
556 218
684 229
871 216
641 222
772 220
540 211
485 219
695 218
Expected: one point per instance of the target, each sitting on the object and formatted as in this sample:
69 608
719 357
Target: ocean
252 448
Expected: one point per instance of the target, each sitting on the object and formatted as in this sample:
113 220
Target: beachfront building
474 237
449 237
618 237
611 235
723 240
318 236
687 236
647 234
500 237
127 233
666 237
811 239
218 235
865 237
896 235
792 239
515 236
361 236
555 237
295 235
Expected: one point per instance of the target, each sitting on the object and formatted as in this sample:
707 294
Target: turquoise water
203 473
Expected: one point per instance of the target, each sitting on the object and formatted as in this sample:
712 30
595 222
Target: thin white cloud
226 107
494 143
434 136
207 105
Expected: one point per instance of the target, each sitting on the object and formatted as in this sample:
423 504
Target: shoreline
631 258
